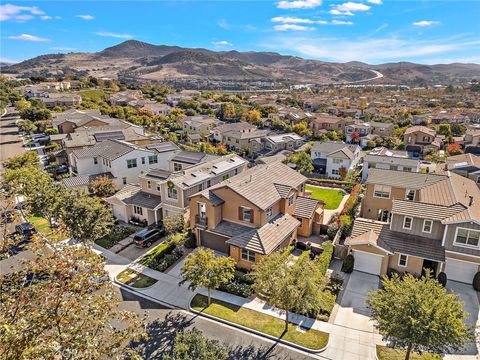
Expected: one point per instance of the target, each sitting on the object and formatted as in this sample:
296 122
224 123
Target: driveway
133 252
470 297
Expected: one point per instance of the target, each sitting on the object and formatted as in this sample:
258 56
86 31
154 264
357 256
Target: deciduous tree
29 158
192 345
204 269
303 162
419 315
102 186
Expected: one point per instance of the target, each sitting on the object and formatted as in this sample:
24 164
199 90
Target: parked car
25 229
40 137
62 169
314 252
145 237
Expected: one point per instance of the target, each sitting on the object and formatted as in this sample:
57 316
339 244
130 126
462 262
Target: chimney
470 203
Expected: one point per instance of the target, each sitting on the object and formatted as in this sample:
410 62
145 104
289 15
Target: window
427 226
337 161
149 184
269 212
394 167
335 172
132 163
153 159
209 183
478 180
124 181
177 167
143 160
246 214
383 215
407 169
95 161
158 187
200 187
381 191
172 193
290 200
407 223
409 194
248 255
225 177
403 260
137 210
467 237
236 172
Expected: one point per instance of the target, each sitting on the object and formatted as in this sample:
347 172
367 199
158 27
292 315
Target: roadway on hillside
10 143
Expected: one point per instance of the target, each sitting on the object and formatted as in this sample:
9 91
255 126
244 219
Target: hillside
138 60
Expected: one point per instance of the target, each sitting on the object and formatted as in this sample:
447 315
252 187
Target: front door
202 210
430 265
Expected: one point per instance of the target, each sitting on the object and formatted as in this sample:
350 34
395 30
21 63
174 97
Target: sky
372 31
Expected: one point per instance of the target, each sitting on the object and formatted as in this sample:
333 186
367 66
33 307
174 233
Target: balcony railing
201 221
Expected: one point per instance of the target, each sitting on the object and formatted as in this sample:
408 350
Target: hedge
325 257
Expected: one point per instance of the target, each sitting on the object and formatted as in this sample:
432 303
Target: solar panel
113 135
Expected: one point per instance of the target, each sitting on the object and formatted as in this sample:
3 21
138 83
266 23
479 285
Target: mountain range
136 60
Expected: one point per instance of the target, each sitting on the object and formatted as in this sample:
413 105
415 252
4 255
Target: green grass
43 226
135 279
148 258
386 353
330 197
93 95
117 234
270 325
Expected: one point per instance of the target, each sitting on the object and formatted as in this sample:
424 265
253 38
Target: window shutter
251 215
240 213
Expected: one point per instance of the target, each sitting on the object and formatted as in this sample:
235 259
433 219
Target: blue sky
372 31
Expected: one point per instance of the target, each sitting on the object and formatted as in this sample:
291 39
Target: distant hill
139 60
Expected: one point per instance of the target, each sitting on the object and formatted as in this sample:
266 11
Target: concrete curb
262 334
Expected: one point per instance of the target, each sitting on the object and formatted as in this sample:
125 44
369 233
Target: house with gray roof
383 158
330 157
255 213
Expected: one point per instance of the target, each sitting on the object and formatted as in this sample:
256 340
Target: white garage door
462 271
367 262
119 213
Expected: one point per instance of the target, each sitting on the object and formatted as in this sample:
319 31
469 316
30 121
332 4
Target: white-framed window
149 184
153 159
384 215
131 163
427 226
290 200
248 255
172 193
403 260
337 161
143 160
200 187
246 214
159 187
137 210
410 194
381 191
177 167
407 222
95 161
335 172
467 237
269 213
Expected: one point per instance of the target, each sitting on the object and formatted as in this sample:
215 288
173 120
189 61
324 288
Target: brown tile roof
425 210
267 238
420 128
401 179
305 207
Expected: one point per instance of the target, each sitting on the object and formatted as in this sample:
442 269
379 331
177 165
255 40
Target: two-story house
240 140
420 139
329 157
67 121
122 160
412 221
255 213
383 158
323 123
200 124
273 143
466 165
172 190
218 132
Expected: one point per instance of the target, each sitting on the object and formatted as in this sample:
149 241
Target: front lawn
43 226
162 256
270 325
117 234
386 353
135 279
331 197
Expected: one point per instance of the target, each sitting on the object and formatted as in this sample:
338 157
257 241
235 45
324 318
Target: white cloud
338 12
348 8
46 17
299 4
340 22
85 17
224 24
369 50
18 13
222 43
381 27
376 2
288 27
61 48
114 35
425 23
292 20
28 37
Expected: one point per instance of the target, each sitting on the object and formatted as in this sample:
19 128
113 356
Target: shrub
190 241
332 230
346 225
442 279
325 257
476 281
347 266
169 259
174 224
237 288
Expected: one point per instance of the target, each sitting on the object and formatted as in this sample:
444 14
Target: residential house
157 108
61 99
219 131
254 214
241 139
383 158
200 124
433 223
472 140
172 190
123 160
185 159
466 165
420 139
323 123
329 157
292 115
132 98
381 128
165 151
273 143
67 121
358 132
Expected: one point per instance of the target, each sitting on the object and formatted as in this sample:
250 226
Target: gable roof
331 147
108 149
305 207
419 128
